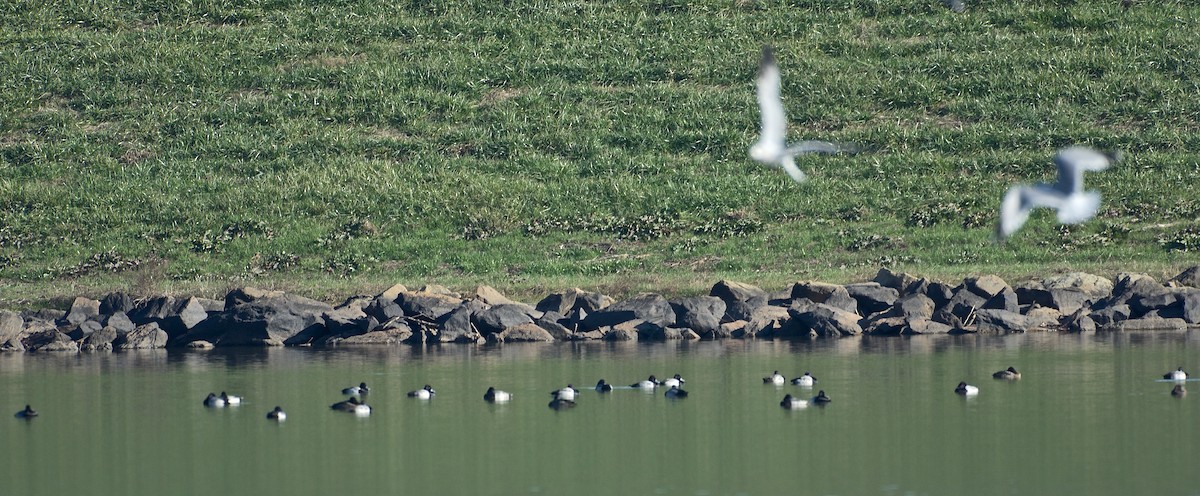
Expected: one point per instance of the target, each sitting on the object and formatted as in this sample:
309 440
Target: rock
459 324
1160 301
940 293
152 310
1190 310
146 336
701 313
100 340
926 326
500 317
46 314
247 295
895 280
184 316
742 310
267 321
384 308
914 306
1190 277
490 296
1043 317
727 330
649 307
765 323
624 331
872 297
816 292
999 321
390 294
826 320
960 307
1079 322
1066 300
1005 300
83 309
1130 286
49 340
11 325
985 286
1172 325
662 334
118 321
1094 286
356 303
882 325
729 291
1110 315
440 290
115 302
431 306
527 332
200 345
82 330
549 322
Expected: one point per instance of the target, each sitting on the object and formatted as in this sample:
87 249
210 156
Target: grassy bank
330 148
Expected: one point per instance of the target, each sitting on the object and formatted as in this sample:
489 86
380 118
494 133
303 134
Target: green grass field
332 148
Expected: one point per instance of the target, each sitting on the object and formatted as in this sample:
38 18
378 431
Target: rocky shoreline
891 304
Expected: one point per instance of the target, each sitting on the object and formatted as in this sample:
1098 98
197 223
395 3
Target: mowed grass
332 148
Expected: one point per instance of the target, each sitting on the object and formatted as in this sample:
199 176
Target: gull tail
790 168
822 147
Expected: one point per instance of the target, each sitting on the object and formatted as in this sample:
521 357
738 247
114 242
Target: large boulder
914 306
183 316
49 340
1005 300
960 307
702 314
985 286
146 336
458 326
500 317
430 306
649 307
826 320
384 308
101 340
1066 300
1000 321
939 292
248 294
765 322
743 310
1154 324
83 309
566 301
830 294
115 302
11 326
1190 310
1094 286
729 291
521 333
267 321
872 297
895 280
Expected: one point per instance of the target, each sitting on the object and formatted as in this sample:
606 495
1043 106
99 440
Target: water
1088 417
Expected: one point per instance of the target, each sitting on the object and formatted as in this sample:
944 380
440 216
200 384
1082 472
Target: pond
1091 415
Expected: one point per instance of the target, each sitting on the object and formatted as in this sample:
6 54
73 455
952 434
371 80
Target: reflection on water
1090 416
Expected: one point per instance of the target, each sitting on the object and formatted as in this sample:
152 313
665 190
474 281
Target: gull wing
1072 162
954 5
770 106
1014 211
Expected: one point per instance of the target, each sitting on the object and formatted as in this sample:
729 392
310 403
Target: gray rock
390 294
895 280
564 302
1079 322
1144 304
152 310
729 291
939 292
459 324
246 295
1111 315
872 297
118 321
1094 286
959 308
1066 300
81 330
528 332
816 292
100 340
267 321
742 310
649 307
1191 307
624 331
765 323
11 325
431 306
49 340
1006 300
182 317
985 286
500 317
200 345
383 308
1189 277
83 309
882 325
727 330
914 306
146 336
926 326
490 296
826 320
1130 286
115 302
998 321
702 314
1041 318
1168 325
439 289
549 322
356 303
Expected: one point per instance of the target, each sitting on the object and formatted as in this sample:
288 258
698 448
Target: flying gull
772 147
1074 205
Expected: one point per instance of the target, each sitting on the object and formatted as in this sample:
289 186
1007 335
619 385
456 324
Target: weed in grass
109 261
1187 239
274 262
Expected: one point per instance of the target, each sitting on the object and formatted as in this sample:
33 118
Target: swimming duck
358 390
424 393
561 404
674 381
214 401
231 400
1178 391
792 403
603 386
27 413
352 405
820 398
1007 374
1176 375
568 393
494 396
675 392
277 414
775 378
806 380
966 389
650 383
